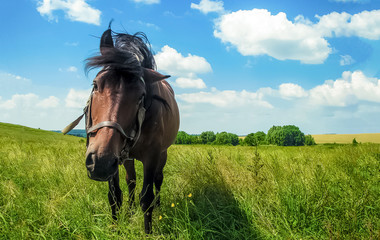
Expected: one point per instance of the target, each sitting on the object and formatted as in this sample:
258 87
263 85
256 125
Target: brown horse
131 114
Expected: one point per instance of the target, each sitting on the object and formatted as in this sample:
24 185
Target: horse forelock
130 54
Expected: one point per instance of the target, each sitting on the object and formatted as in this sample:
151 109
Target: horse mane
130 54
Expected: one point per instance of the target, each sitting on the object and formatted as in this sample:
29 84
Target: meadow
209 192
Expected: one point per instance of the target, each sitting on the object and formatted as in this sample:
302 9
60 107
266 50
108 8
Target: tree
254 139
293 136
260 137
288 135
274 136
309 140
184 138
225 138
250 140
207 137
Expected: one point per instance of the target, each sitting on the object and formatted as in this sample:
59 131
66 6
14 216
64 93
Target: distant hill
76 132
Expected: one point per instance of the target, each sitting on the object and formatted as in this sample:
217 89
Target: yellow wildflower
173 205
160 217
190 195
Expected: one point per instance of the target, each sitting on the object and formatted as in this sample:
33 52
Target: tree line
288 135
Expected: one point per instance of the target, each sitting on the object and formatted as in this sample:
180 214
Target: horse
131 114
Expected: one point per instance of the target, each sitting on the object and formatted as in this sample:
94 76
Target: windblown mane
130 54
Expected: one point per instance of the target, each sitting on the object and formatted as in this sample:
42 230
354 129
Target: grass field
347 138
209 192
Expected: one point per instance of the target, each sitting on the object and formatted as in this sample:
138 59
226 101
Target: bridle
129 140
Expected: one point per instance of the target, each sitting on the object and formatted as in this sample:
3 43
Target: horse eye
95 86
141 99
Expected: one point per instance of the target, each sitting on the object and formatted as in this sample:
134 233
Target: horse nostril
90 162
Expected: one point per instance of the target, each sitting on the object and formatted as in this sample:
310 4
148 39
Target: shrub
309 140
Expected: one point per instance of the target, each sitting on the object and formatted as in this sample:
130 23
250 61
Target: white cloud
185 68
226 98
147 1
75 10
207 6
365 24
350 89
258 32
291 90
346 60
190 83
28 101
50 102
174 63
69 69
77 98
352 100
72 69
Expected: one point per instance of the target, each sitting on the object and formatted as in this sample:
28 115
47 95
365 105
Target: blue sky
236 66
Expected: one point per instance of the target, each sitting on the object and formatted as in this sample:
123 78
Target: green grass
318 192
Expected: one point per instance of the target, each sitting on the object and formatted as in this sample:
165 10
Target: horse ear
106 42
153 76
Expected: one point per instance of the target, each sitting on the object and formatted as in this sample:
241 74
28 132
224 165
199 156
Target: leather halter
132 138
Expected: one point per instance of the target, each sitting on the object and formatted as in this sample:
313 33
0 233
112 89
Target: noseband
129 140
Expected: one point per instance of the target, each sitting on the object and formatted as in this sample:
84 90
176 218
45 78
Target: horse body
132 115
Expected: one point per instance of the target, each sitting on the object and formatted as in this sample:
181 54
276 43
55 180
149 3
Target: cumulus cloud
50 102
77 98
207 6
346 60
28 101
75 10
190 83
291 90
353 96
365 24
184 68
226 98
259 32
350 89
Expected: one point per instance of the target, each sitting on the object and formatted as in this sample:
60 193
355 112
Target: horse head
118 102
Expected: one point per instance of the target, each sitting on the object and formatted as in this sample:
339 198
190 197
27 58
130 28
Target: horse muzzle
101 168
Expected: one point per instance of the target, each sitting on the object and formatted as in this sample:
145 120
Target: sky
235 66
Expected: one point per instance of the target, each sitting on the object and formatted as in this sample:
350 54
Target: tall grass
209 192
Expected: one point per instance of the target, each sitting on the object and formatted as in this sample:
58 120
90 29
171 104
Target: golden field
347 138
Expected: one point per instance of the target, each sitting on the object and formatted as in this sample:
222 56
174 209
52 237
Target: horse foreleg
129 166
115 196
159 177
147 197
